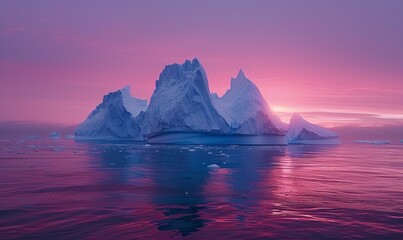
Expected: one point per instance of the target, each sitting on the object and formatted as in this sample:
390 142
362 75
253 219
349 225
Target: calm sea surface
62 189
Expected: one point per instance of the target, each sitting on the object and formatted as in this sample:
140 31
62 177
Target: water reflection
120 190
179 175
176 176
184 220
307 151
246 171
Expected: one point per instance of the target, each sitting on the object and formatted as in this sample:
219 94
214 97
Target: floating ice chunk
192 150
213 166
54 135
147 145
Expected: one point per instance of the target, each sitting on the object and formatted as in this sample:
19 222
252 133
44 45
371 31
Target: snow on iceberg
114 117
245 110
303 132
181 102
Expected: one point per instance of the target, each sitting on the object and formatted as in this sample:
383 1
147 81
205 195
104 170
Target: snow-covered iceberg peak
303 132
114 117
181 74
245 110
182 101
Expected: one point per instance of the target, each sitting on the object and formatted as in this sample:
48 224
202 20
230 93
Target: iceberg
245 110
183 111
114 118
303 132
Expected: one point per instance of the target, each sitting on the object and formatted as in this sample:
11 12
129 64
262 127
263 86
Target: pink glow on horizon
55 65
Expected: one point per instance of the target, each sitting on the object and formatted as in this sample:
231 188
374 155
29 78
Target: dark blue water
62 189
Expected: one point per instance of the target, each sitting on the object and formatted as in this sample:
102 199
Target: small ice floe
223 154
210 153
54 135
69 136
213 166
374 142
147 145
192 150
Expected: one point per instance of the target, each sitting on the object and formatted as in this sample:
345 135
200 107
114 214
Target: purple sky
336 62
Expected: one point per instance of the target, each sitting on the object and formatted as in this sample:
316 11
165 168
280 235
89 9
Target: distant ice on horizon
374 142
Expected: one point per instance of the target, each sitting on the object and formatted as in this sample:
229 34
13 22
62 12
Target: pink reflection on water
125 190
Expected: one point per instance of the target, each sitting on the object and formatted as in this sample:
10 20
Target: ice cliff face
303 132
245 110
181 101
114 117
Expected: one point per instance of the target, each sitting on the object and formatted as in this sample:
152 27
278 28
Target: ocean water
62 189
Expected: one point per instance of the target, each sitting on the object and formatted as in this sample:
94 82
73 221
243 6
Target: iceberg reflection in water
67 190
